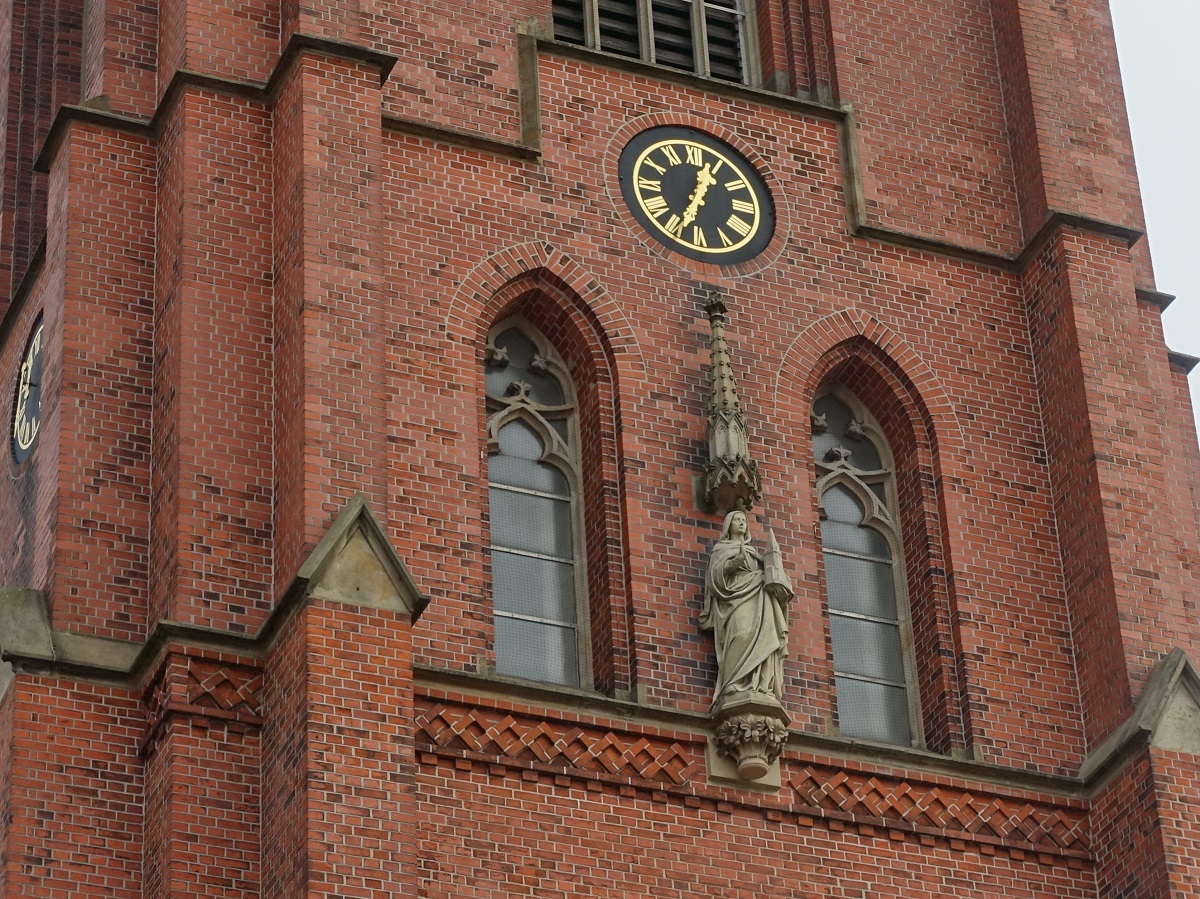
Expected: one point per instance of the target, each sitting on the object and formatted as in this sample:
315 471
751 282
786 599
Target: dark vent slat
569 22
619 27
724 45
673 34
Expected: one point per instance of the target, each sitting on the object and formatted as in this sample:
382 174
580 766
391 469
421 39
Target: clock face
697 195
27 408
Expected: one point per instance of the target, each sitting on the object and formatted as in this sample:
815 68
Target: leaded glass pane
837 417
536 651
535 524
873 711
842 527
516 464
544 388
860 586
866 648
864 455
536 587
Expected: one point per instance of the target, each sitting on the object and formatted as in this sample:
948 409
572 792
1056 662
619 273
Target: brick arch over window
545 303
503 275
861 356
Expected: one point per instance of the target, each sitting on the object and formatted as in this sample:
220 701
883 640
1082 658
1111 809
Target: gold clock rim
746 176
19 406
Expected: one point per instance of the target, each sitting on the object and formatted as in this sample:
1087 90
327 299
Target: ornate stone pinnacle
731 479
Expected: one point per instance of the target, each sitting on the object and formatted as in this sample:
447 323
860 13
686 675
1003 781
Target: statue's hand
778 592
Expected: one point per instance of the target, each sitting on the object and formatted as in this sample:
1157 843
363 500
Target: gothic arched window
539 582
869 624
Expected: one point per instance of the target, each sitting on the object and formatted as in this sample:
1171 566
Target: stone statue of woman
745 597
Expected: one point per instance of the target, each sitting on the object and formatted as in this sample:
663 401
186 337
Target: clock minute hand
704 180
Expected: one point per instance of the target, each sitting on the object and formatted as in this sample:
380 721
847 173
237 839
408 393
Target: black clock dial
27 404
697 195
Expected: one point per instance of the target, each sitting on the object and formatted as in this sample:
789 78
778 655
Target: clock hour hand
704 180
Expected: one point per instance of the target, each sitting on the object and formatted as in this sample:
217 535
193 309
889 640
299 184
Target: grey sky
1160 60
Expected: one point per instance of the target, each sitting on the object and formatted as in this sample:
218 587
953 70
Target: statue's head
736 526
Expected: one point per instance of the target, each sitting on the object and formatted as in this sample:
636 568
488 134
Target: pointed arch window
539 585
866 588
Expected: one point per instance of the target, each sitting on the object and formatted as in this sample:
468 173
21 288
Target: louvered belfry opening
723 24
673 34
706 39
618 20
570 22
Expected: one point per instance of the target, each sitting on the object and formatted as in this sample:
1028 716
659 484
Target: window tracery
869 622
538 569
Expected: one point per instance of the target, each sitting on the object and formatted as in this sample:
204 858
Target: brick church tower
383 384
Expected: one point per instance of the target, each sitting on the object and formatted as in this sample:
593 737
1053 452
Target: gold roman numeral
674 225
695 155
656 206
672 156
654 165
743 206
738 184
698 237
649 184
741 226
725 241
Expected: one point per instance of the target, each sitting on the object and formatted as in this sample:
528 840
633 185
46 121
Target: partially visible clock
696 194
27 405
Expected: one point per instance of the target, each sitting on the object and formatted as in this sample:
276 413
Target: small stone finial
731 479
495 356
838 454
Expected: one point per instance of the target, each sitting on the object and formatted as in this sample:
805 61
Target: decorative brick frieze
202 683
481 732
905 804
944 809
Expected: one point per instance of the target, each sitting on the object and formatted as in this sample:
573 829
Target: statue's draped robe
750 627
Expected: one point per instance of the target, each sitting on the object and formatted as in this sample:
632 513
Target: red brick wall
1087 577
75 792
459 71
41 72
329 431
213 380
499 832
103 506
338 760
265 303
120 55
8 704
1101 360
285 763
925 86
1177 781
202 810
1129 839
